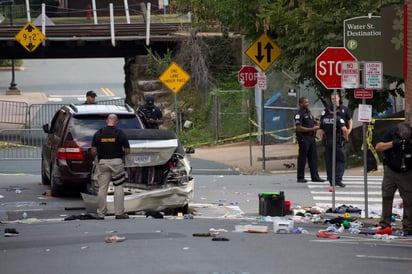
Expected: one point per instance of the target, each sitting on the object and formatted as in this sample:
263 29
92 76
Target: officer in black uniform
151 115
396 145
305 132
326 134
110 145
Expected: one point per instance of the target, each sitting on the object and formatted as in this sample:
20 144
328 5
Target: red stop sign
247 76
329 66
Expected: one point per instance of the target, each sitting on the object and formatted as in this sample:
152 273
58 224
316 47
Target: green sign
363 37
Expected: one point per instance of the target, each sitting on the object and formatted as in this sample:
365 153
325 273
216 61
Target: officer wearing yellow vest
110 145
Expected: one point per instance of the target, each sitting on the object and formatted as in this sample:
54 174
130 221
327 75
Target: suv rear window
83 127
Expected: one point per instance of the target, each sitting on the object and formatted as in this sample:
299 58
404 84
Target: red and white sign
261 81
363 94
329 66
350 75
248 76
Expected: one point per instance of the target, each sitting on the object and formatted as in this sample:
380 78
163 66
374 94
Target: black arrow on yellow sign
263 52
30 46
29 28
268 49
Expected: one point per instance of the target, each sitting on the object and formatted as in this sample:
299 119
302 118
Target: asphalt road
223 200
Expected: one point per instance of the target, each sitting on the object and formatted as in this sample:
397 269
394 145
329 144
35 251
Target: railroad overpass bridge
93 40
100 41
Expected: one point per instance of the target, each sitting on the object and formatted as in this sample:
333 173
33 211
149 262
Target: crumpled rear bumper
152 200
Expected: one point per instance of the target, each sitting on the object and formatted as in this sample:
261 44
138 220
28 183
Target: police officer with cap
90 98
151 115
306 128
110 145
327 122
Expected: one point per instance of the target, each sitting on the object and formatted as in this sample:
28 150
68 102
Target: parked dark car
66 160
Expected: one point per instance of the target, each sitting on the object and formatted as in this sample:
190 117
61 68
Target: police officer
326 134
90 98
110 145
343 111
397 172
151 114
305 132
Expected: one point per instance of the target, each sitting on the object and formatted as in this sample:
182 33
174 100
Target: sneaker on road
10 232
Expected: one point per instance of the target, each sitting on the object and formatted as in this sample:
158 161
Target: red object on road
326 234
247 76
329 66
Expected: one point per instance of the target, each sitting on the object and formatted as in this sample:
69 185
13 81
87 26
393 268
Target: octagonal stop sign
329 66
247 76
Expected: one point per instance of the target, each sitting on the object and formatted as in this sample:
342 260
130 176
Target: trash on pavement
327 234
114 239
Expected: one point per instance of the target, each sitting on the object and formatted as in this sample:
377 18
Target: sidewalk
280 158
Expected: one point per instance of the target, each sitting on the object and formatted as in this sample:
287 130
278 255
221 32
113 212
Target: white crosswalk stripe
351 195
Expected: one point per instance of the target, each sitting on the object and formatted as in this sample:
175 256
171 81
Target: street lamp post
13 86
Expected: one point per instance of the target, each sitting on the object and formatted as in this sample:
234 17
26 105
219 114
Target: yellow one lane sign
30 37
174 77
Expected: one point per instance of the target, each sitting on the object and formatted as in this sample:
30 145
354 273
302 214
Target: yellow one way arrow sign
263 52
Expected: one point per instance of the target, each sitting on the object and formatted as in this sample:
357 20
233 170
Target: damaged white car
159 176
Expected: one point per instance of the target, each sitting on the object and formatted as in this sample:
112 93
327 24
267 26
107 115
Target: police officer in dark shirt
110 145
151 115
344 111
90 98
396 145
305 132
326 134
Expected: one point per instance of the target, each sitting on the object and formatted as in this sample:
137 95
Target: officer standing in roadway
305 132
110 145
90 98
151 114
326 134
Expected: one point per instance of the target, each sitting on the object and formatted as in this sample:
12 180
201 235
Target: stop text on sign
330 68
248 76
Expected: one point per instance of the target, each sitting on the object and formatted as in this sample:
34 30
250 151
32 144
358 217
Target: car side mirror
190 150
46 128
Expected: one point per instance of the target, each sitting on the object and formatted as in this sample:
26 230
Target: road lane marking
107 91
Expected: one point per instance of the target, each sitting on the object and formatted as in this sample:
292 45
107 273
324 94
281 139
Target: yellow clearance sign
30 37
174 77
263 52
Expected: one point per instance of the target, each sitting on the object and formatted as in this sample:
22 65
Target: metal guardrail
21 144
36 115
25 143
13 112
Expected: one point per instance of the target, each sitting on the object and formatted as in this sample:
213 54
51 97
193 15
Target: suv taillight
70 151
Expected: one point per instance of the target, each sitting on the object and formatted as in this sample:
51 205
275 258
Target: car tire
44 179
55 186
184 209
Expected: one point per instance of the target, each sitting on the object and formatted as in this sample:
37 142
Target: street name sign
174 77
263 52
30 37
329 66
247 76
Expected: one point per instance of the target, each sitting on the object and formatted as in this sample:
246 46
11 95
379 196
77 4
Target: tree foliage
302 29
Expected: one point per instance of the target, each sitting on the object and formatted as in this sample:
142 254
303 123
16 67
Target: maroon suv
66 160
